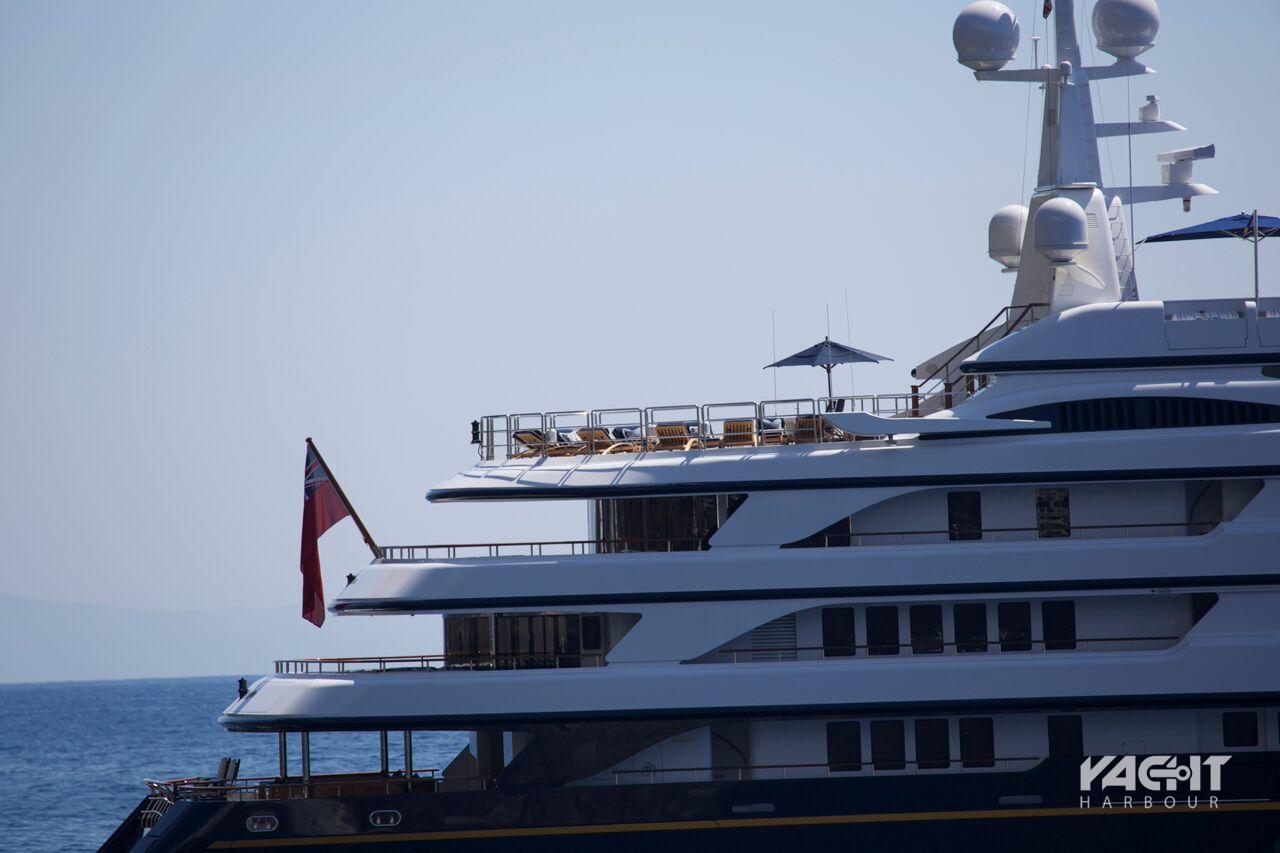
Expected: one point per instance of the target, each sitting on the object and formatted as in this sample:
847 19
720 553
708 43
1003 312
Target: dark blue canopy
827 353
1240 225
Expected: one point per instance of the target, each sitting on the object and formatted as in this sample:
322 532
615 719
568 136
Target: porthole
385 817
262 823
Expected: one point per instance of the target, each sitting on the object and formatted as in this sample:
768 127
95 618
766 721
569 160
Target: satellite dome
1004 235
985 35
1061 230
1125 28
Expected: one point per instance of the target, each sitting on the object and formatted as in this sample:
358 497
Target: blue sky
227 226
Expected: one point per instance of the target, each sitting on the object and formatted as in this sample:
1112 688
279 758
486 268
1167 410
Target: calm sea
73 755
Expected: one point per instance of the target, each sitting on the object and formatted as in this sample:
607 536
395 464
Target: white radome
1126 28
1004 235
1061 230
985 35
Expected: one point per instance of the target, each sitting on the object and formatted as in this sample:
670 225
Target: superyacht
1025 602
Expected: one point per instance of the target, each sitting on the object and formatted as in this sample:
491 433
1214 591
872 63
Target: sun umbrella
1246 226
827 354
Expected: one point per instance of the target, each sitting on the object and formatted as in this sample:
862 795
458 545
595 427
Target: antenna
848 336
773 327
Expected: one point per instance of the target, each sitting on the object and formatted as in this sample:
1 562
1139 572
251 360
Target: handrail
945 367
410 553
450 661
288 788
969 646
855 538
866 764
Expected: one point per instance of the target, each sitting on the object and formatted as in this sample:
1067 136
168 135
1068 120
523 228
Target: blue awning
1240 225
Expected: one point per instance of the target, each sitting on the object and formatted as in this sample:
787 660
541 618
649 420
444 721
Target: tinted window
964 516
837 632
839 534
661 524
882 630
1059 618
844 746
971 627
933 744
926 629
1053 514
1066 737
977 742
592 633
1145 413
1240 728
888 745
1015 626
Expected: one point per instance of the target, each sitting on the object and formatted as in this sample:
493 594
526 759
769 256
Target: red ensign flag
1048 7
322 508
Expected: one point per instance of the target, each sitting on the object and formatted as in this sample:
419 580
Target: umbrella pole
1255 256
830 392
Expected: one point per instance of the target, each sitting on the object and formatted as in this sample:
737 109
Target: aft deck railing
706 426
401 663
276 788
1007 534
930 647
552 547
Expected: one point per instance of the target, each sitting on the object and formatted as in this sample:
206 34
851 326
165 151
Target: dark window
964 516
1015 626
1240 728
1202 603
933 744
1059 618
838 534
977 742
882 630
971 627
1066 737
844 746
592 633
1053 514
1123 413
926 629
537 642
888 745
467 641
837 632
662 524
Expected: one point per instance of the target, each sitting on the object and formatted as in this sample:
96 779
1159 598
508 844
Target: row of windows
662 524
524 641
887 739
1123 413
1013 620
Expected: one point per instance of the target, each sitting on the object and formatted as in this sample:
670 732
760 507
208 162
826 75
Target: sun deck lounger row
676 435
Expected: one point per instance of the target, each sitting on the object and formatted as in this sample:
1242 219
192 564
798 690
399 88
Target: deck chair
740 433
534 442
815 428
674 437
599 440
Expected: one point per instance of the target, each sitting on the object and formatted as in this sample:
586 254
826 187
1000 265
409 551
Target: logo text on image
1166 774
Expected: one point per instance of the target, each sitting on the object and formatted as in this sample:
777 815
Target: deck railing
931 647
552 547
1010 534
401 663
293 788
652 775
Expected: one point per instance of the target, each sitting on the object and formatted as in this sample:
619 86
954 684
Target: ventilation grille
775 640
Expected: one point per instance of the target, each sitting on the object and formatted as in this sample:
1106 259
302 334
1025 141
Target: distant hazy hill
52 641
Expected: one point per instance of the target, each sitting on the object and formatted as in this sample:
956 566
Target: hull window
964 516
838 640
1059 619
971 627
888 745
882 630
926 629
844 747
977 742
933 744
1066 736
1015 626
1240 728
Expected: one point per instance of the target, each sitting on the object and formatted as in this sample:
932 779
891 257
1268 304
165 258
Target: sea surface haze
73 755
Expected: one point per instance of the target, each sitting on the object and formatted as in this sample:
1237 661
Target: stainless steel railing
656 775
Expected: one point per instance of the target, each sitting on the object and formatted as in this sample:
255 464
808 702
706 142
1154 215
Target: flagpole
355 516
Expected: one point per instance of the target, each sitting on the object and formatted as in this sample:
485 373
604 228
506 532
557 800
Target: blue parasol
1245 226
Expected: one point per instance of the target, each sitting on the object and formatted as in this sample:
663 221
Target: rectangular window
933 744
1053 514
837 632
1059 618
592 634
926 629
1066 737
1240 728
888 745
1015 626
964 516
977 742
844 746
882 630
971 627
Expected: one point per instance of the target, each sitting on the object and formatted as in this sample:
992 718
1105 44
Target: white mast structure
1082 253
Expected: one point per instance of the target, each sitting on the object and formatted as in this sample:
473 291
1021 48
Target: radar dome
1004 235
1061 230
985 35
1125 28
